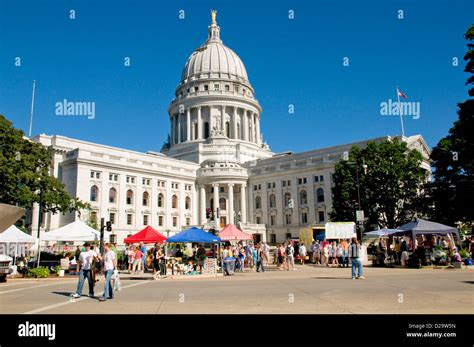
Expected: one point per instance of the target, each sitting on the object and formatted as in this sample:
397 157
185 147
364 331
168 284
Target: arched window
129 197
227 129
303 197
160 200
145 199
272 201
287 198
222 204
187 203
320 195
112 196
94 193
258 202
206 130
174 202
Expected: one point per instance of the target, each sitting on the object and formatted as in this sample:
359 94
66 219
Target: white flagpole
32 107
400 111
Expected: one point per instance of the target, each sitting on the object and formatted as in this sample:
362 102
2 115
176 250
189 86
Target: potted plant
465 256
58 271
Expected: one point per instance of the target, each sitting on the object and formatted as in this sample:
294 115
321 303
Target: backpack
288 250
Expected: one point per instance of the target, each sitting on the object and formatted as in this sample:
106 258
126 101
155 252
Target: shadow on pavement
331 278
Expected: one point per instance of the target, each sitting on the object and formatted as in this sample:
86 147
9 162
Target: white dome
214 58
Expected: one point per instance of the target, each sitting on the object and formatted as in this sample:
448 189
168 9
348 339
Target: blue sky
297 62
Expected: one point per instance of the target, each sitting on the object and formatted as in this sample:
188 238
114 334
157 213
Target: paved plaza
310 289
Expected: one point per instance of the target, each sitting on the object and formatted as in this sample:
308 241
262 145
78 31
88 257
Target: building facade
215 158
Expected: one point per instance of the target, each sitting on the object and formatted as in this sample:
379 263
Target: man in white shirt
110 262
84 264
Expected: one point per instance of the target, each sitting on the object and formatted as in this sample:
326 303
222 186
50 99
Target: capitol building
214 159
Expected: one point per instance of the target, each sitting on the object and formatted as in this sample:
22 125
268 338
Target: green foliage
452 191
464 253
56 270
39 272
25 168
389 185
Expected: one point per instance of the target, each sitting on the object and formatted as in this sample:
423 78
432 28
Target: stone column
188 124
216 201
234 124
179 127
243 204
257 124
172 130
202 204
252 120
223 120
199 123
231 203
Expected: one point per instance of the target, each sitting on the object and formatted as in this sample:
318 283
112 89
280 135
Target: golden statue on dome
213 15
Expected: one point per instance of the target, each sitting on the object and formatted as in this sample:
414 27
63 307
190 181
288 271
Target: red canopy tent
147 235
231 232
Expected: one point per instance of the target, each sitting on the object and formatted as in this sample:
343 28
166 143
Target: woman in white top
303 253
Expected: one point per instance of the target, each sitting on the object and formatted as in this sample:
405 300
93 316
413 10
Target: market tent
194 234
231 232
8 215
382 232
15 235
421 226
75 231
147 235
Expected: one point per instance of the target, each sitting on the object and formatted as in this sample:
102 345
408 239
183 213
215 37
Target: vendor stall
196 235
146 235
16 238
232 233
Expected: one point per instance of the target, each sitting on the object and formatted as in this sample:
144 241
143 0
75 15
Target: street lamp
360 215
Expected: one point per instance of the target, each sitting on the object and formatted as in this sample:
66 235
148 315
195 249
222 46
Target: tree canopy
25 174
389 175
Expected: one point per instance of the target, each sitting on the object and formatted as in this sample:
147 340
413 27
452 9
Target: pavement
310 289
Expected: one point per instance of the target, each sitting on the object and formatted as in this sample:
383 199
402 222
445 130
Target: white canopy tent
15 235
75 231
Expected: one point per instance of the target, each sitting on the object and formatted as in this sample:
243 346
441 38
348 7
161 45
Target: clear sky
298 61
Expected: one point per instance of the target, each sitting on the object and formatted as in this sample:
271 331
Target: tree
452 190
25 168
390 178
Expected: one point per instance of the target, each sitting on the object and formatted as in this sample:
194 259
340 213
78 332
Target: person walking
241 256
290 257
84 267
131 258
316 252
144 252
303 253
325 255
254 256
354 255
266 253
260 258
137 263
110 263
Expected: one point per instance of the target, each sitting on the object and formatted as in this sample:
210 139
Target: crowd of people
248 255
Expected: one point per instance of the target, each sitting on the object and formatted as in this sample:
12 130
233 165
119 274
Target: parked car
5 267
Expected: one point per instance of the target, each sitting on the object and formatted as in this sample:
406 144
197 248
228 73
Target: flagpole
400 111
32 107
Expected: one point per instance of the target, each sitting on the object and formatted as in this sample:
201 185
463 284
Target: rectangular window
255 187
321 216
316 178
206 87
112 217
129 219
283 183
188 221
93 217
321 178
146 181
304 218
160 221
95 174
113 177
288 219
92 174
288 235
196 89
273 238
145 219
299 181
227 88
258 220
272 220
130 179
221 189
216 87
288 183
273 185
175 221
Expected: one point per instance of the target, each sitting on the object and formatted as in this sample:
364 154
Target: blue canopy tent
421 226
382 232
194 234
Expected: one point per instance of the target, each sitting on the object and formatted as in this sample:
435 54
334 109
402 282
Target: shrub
39 272
464 253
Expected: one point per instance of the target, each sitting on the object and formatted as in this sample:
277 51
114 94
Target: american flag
400 93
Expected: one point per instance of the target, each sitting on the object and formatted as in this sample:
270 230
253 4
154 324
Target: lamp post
40 203
361 212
